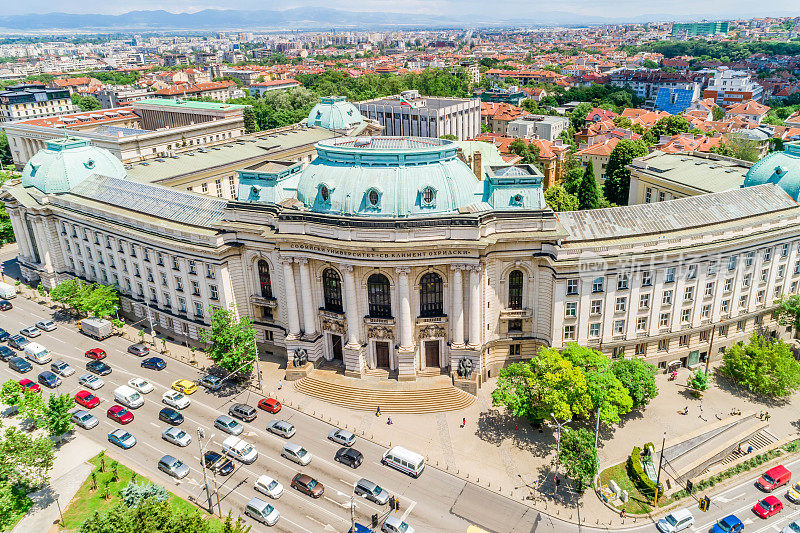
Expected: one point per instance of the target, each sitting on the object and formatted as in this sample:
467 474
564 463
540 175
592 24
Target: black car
18 342
5 305
242 411
154 363
98 367
49 379
218 463
350 457
4 335
6 353
138 349
20 365
170 416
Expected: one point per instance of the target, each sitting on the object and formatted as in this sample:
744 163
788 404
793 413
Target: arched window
378 296
324 193
332 290
431 301
264 279
515 290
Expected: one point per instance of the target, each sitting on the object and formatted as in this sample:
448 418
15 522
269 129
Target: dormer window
324 193
89 164
373 199
517 200
428 197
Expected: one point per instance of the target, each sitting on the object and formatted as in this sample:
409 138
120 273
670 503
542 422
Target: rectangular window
740 325
778 289
198 309
767 255
749 259
709 289
644 301
150 274
153 295
571 310
723 331
621 304
764 275
648 195
641 323
692 272
146 254
597 285
178 284
666 298
647 278
797 267
594 330
192 267
683 340
212 289
210 274
781 270
167 300
706 311
704 336
688 294
669 276
182 305
175 265
641 348
597 306
163 279
663 320
619 327
572 286
195 288
784 249
724 306
712 269
622 282
218 184
746 281
661 196
513 349
140 290
663 344
569 333
204 187
728 284
760 296
686 315
732 262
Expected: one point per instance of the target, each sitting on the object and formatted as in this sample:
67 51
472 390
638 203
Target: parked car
281 428
216 462
19 364
794 493
96 354
119 414
296 453
371 491
4 335
729 524
266 485
141 385
242 411
18 342
359 528
49 379
676 521
767 507
6 353
170 416
392 524
210 382
84 419
29 386
61 368
175 399
46 325
350 457
98 367
341 436
154 363
122 438
138 349
308 485
176 436
173 467
185 386
228 425
792 527
774 478
30 331
5 305
87 399
270 405
90 381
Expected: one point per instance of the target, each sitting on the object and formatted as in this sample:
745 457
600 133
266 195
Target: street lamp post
658 477
558 447
200 435
258 366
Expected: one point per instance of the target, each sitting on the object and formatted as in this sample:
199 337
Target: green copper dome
64 163
780 168
334 113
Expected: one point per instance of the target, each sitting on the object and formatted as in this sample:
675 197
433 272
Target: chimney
477 167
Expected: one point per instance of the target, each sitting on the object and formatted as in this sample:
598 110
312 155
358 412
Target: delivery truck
97 328
7 291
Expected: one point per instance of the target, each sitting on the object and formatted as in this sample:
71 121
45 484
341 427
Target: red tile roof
187 88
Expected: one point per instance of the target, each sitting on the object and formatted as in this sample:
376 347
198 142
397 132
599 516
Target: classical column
291 297
406 337
458 306
22 235
350 309
40 229
309 320
474 306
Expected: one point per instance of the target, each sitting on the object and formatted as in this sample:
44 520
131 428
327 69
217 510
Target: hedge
637 474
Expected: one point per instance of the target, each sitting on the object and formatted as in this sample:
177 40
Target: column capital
285 260
403 270
346 268
474 268
458 266
301 260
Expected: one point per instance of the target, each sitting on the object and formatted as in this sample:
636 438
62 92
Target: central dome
388 176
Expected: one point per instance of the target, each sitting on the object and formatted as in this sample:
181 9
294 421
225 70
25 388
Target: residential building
730 87
647 83
261 87
693 29
497 116
216 90
538 127
750 111
30 101
112 96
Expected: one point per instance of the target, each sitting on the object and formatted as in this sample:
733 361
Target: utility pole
558 448
710 343
658 477
216 491
353 511
258 366
200 435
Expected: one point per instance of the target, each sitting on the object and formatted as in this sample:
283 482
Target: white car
282 428
90 381
175 399
675 521
176 436
141 385
341 436
395 525
30 331
84 419
792 527
270 487
62 368
46 325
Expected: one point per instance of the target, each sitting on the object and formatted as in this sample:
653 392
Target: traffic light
374 520
394 503
705 502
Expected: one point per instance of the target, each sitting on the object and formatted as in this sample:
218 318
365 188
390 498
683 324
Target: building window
195 288
167 300
431 298
764 275
748 259
686 315
688 294
663 344
760 297
641 348
572 284
515 280
683 340
182 305
213 294
740 325
569 333
647 278
175 265
622 282
264 280
146 255
767 255
515 326
178 282
597 285
648 195
644 301
332 290
724 306
692 272
198 309
781 271
571 310
728 284
373 197
596 307
723 331
594 330
617 352
784 249
150 274
704 336
641 323
709 290
663 320
661 196
669 276
163 279
732 262
160 259
666 298
514 350
210 274
778 289
192 267
621 304
712 269
619 327
706 311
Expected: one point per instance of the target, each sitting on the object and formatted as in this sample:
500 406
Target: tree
717 113
57 416
788 310
85 103
70 292
23 459
763 366
698 381
741 147
649 63
232 341
579 114
579 457
32 406
133 494
671 125
11 393
618 178
607 393
572 179
94 299
639 377
249 117
588 196
558 199
5 150
449 137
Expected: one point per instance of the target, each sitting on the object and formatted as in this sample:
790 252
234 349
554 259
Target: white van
239 449
406 461
262 511
7 291
128 397
37 353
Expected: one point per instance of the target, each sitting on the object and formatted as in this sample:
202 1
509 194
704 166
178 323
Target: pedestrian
378 411
766 416
464 422
750 449
622 514
280 384
389 421
761 415
739 450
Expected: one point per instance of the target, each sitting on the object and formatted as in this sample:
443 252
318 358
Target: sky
526 8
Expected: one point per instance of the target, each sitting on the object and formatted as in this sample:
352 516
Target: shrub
637 474
133 494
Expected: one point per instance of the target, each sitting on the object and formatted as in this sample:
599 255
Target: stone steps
411 401
757 441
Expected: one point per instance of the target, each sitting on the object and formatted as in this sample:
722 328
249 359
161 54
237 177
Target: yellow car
794 493
185 386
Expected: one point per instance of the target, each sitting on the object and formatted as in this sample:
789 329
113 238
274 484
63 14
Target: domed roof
66 162
334 113
388 176
780 168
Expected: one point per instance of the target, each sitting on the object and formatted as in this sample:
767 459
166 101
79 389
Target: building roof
602 149
188 88
334 113
190 104
275 83
704 172
780 168
751 107
99 116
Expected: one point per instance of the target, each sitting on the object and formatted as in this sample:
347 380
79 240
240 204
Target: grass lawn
87 501
21 506
637 502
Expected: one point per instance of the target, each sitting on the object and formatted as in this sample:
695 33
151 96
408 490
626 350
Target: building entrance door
431 353
336 348
382 354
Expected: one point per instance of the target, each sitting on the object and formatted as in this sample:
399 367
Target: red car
119 414
96 354
768 506
270 405
87 399
28 385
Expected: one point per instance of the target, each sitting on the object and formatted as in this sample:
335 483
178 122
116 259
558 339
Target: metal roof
705 173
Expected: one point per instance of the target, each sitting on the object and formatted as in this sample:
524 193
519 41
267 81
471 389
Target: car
29 386
308 485
4 335
173 467
154 363
6 353
46 325
87 399
767 507
90 381
96 354
119 414
296 453
371 491
270 405
5 305
794 493
261 511
774 478
392 524
175 399
210 382
30 331
677 520
176 436
122 438
218 463
170 416
242 411
185 386
20 365
729 524
141 385
341 436
98 367
281 428
359 528
84 419
792 527
228 425
138 349
49 379
349 456
18 342
62 368
266 485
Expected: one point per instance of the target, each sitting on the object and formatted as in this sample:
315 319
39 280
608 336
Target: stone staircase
757 441
392 397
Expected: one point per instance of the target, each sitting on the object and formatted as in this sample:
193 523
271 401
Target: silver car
46 325
30 331
228 425
173 467
84 419
343 437
90 381
176 436
282 428
61 368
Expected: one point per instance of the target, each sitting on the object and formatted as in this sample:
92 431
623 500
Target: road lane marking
723 499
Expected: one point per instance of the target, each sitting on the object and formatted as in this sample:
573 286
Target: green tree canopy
788 310
24 459
587 193
618 178
558 199
579 457
671 125
763 366
85 103
717 113
57 416
232 341
94 299
639 377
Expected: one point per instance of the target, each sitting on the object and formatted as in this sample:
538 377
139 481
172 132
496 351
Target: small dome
780 168
64 163
334 113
